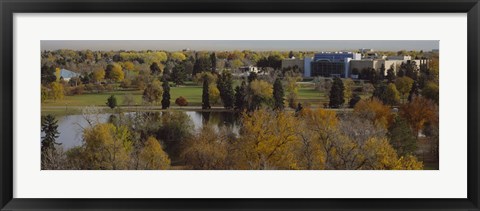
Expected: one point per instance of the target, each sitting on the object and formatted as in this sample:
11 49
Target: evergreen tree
278 94
401 137
380 92
178 74
391 75
166 94
414 91
205 94
225 86
354 100
48 74
154 68
213 60
290 54
112 102
50 129
240 95
336 93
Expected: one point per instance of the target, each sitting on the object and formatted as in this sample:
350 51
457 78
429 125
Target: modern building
333 64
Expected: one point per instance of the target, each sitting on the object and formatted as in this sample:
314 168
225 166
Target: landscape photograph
239 105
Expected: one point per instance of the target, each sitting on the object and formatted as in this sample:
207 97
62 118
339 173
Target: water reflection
71 126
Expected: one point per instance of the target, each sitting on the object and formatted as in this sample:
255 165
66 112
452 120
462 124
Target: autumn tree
152 156
207 150
117 73
261 92
213 94
98 75
291 87
266 140
178 56
348 89
336 93
404 85
165 94
57 91
375 111
278 94
417 113
392 95
153 92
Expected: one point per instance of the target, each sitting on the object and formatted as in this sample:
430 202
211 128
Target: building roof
68 74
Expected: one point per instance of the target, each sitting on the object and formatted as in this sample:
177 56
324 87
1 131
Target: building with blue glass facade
333 64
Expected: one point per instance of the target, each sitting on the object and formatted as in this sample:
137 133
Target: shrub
181 101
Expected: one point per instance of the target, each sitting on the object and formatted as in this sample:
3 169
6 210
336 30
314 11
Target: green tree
240 95
431 91
48 74
392 95
50 130
112 102
225 85
391 75
354 100
404 85
154 68
205 94
178 75
213 60
401 137
336 93
278 94
166 94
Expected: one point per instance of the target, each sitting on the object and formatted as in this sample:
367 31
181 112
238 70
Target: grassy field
307 95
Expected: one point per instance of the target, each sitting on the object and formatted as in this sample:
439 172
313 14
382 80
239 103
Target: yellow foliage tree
213 93
128 66
207 149
375 111
98 75
57 73
266 141
107 146
261 89
179 56
152 156
117 73
57 90
347 91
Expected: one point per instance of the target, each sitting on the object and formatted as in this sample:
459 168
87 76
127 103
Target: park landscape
238 109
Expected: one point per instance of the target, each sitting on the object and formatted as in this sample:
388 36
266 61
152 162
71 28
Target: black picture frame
9 7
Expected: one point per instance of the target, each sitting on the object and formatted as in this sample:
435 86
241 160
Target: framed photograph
255 105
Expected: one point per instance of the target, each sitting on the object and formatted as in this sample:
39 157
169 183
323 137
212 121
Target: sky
256 45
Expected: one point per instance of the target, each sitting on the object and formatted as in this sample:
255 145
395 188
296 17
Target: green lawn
193 94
